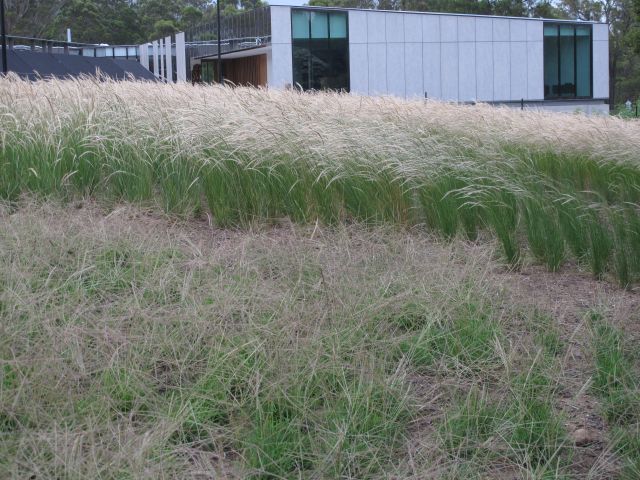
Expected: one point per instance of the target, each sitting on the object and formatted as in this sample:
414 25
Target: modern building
561 65
523 62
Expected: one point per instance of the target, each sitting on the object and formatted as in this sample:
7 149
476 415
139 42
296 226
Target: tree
92 21
31 18
190 15
163 28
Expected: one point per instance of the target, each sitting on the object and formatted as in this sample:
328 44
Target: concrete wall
450 57
600 61
181 63
280 59
589 108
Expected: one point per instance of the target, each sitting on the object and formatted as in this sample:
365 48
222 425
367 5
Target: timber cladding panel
247 70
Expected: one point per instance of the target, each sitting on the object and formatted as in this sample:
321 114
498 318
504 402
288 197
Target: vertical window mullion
575 62
591 62
559 62
309 57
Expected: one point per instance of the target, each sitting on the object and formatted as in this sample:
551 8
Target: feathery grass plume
247 155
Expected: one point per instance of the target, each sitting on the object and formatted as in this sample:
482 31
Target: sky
287 2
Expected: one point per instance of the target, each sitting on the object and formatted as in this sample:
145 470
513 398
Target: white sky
287 2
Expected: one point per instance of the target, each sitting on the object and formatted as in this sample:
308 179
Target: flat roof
556 20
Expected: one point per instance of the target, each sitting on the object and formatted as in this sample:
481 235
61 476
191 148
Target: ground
138 345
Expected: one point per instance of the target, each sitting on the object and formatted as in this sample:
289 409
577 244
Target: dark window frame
328 40
557 25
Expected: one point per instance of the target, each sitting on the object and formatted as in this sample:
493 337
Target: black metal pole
219 42
3 34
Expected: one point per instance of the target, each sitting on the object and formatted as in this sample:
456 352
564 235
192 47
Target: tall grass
545 184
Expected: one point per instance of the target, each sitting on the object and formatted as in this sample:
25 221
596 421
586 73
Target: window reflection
320 50
567 61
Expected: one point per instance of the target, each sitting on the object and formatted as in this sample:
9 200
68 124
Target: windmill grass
135 344
542 183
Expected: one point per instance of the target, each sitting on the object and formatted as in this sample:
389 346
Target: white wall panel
280 75
484 71
466 71
535 70
394 25
282 69
600 69
156 66
484 29
144 55
431 67
451 57
466 29
534 30
357 27
518 30
395 69
430 28
448 28
359 68
270 76
377 59
181 58
412 27
518 74
501 71
449 73
169 62
376 27
413 69
501 30
601 32
280 24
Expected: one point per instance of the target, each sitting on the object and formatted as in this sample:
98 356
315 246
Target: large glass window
567 61
320 49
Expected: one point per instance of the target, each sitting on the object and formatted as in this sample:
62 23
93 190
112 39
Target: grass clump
543 233
546 333
467 338
467 429
521 426
616 381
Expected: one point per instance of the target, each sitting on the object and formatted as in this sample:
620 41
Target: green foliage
523 426
538 434
117 391
543 232
466 428
467 339
615 379
98 21
232 368
502 215
617 382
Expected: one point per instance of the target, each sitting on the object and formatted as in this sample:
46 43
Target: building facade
560 65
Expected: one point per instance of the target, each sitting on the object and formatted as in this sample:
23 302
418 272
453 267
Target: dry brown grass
89 294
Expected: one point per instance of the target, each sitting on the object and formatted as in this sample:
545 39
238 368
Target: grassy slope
134 346
334 345
556 188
